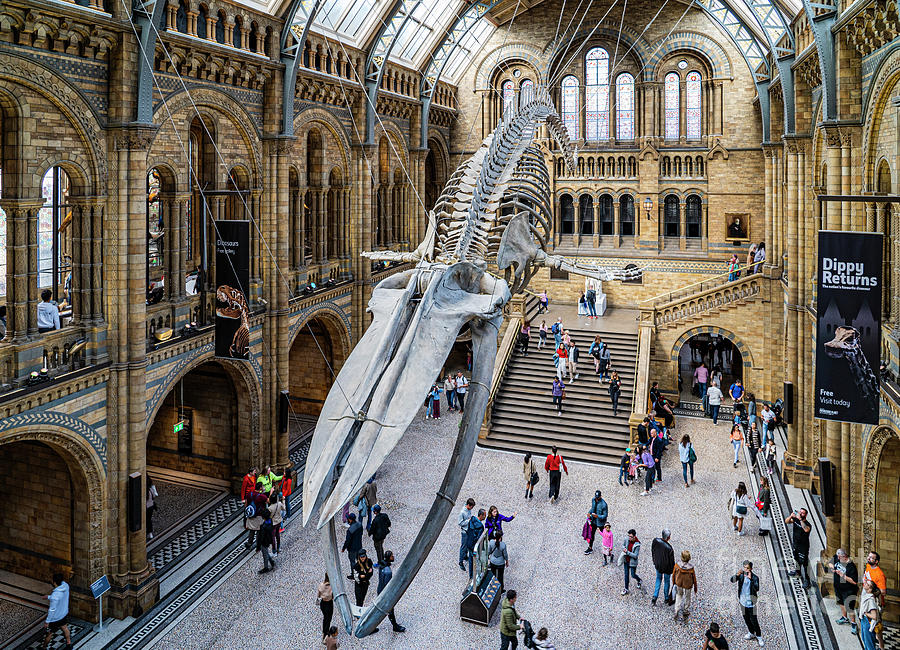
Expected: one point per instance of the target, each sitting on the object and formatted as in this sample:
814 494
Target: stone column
321 225
18 216
389 215
300 237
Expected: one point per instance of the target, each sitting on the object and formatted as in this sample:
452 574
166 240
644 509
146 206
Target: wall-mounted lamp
648 206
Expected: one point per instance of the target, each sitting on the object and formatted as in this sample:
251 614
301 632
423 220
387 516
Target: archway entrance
36 542
719 354
887 523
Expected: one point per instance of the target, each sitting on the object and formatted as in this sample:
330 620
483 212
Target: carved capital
135 138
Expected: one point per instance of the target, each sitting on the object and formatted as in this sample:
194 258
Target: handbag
535 477
765 523
741 510
621 559
692 455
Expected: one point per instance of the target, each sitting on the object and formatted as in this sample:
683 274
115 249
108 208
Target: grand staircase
523 417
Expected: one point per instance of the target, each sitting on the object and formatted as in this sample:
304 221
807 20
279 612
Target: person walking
764 507
542 335
768 424
463 522
551 465
265 543
733 265
510 622
364 570
543 302
688 457
649 466
874 573
800 530
759 257
739 504
58 612
574 353
714 400
684 578
605 360
276 514
869 614
369 493
701 376
557 330
353 541
561 360
664 562
325 596
754 446
597 517
525 337
330 640
384 577
714 639
748 594
558 390
846 588
450 392
737 441
436 399
531 475
498 558
473 533
606 537
462 387
594 351
615 389
631 549
736 391
381 526
152 496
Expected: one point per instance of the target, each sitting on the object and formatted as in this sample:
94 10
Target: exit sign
179 426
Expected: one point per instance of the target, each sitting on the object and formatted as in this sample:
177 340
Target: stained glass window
597 94
527 90
570 105
692 103
625 107
509 96
672 107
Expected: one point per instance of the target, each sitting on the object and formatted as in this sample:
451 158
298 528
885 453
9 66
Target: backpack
555 328
250 510
527 634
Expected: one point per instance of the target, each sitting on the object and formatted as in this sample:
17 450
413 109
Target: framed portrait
737 227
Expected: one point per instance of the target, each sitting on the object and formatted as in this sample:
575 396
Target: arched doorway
886 540
720 355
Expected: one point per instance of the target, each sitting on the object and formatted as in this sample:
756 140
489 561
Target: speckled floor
559 587
175 501
15 617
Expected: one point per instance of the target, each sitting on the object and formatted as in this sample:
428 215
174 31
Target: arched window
527 90
201 22
155 229
632 166
54 234
597 94
699 165
220 28
567 215
693 213
626 215
508 91
606 215
625 107
236 33
692 105
586 216
672 105
671 216
570 105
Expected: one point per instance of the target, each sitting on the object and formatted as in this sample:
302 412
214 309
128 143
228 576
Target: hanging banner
232 280
848 330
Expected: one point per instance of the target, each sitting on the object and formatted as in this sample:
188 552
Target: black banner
848 331
232 281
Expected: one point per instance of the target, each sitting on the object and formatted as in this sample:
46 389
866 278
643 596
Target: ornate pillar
302 217
19 214
321 221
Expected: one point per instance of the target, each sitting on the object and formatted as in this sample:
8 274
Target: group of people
265 496
756 255
860 608
646 457
454 387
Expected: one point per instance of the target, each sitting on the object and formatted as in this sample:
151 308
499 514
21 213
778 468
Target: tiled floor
560 587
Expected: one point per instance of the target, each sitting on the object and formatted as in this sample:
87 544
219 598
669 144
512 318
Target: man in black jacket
381 526
664 562
748 594
353 541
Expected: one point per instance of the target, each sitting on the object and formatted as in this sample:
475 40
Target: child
429 402
633 466
543 335
436 401
607 540
771 451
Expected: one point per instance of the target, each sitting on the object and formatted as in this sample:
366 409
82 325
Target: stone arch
329 313
874 446
524 52
881 502
631 41
305 119
875 103
72 164
700 44
746 356
392 132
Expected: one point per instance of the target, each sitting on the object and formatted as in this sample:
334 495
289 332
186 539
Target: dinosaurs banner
232 280
848 330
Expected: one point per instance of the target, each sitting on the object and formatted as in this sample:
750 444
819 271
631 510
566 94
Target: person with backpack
255 513
473 533
381 526
384 577
557 330
265 541
498 558
552 464
368 494
462 386
688 457
353 541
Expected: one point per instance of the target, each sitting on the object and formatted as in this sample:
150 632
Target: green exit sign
179 426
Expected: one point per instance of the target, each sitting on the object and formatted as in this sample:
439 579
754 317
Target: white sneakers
749 636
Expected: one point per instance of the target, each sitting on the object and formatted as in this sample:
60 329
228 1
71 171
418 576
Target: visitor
649 465
543 302
737 441
381 526
754 444
2 321
384 577
759 257
558 392
268 478
654 394
494 521
510 622
615 390
529 468
688 457
560 360
751 408
846 588
330 640
736 390
353 541
591 300
800 530
542 335
265 542
551 465
47 313
369 493
631 548
870 625
664 562
276 514
605 360
643 431
473 534
256 508
462 386
248 483
739 504
498 558
701 376
557 330
748 590
525 337
625 466
597 517
463 522
714 639
768 423
714 399
540 641
58 612
684 579
764 507
733 268
436 400
748 263
364 571
594 351
573 361
606 537
152 496
657 447
771 455
450 392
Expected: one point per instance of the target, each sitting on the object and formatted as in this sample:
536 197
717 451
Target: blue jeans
714 409
463 550
737 450
623 475
868 638
558 338
630 571
592 308
660 578
767 432
702 386
684 471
